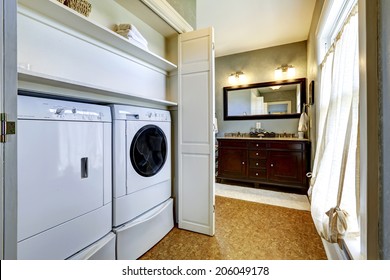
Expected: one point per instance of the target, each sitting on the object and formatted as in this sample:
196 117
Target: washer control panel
156 116
133 113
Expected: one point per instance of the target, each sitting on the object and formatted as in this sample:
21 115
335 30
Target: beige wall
108 13
258 66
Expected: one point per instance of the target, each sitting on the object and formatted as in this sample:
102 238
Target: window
335 182
332 19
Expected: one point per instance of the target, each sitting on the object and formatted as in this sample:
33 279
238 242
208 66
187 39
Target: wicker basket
80 6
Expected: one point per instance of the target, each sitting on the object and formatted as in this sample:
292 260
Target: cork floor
245 231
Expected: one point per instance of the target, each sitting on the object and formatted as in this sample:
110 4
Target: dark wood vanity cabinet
232 158
274 162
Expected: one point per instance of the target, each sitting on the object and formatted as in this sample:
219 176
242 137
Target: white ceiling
245 25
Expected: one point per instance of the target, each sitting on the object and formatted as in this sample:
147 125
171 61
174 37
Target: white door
8 81
195 132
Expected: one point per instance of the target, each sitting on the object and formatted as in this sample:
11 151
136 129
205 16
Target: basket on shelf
81 6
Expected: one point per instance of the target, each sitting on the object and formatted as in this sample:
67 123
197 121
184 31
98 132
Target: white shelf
74 20
99 94
159 15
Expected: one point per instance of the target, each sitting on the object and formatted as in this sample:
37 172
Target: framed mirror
270 100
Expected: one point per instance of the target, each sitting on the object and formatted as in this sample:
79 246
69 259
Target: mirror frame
226 117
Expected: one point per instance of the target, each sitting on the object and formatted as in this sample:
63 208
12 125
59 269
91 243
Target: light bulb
242 78
278 73
290 72
232 79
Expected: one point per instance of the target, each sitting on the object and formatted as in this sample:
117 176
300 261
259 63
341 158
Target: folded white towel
137 43
129 29
138 37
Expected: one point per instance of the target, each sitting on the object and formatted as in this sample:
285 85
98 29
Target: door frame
8 105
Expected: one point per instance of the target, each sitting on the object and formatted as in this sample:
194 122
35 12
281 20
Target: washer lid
148 150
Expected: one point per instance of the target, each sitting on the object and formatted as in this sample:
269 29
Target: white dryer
64 177
141 178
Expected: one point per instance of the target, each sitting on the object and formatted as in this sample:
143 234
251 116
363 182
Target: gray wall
384 92
187 9
258 66
312 72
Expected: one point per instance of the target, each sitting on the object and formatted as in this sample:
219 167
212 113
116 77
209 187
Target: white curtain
333 185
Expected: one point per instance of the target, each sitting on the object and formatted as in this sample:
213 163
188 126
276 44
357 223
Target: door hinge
7 127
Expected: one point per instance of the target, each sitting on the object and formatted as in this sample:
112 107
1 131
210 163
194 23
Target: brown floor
245 231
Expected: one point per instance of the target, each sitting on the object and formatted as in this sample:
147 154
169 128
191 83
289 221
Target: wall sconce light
237 78
283 70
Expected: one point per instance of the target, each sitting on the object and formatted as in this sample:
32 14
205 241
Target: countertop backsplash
289 126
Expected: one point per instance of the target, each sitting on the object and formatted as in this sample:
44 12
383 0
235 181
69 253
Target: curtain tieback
337 223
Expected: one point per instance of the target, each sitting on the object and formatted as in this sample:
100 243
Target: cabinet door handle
257 163
243 162
272 165
257 145
257 154
257 174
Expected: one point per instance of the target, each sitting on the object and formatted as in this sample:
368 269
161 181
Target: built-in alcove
80 55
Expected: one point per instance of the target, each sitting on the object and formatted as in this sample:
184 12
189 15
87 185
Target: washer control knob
60 111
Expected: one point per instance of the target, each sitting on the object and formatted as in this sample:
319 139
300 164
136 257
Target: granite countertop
264 138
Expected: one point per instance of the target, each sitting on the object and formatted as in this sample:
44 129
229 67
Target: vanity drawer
257 163
256 145
258 173
257 153
232 143
285 145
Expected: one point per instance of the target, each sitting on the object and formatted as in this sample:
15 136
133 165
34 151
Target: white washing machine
142 204
64 177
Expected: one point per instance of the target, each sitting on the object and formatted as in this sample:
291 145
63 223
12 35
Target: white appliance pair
142 203
64 180
66 185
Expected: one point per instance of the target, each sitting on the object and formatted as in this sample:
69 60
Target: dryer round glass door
148 150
